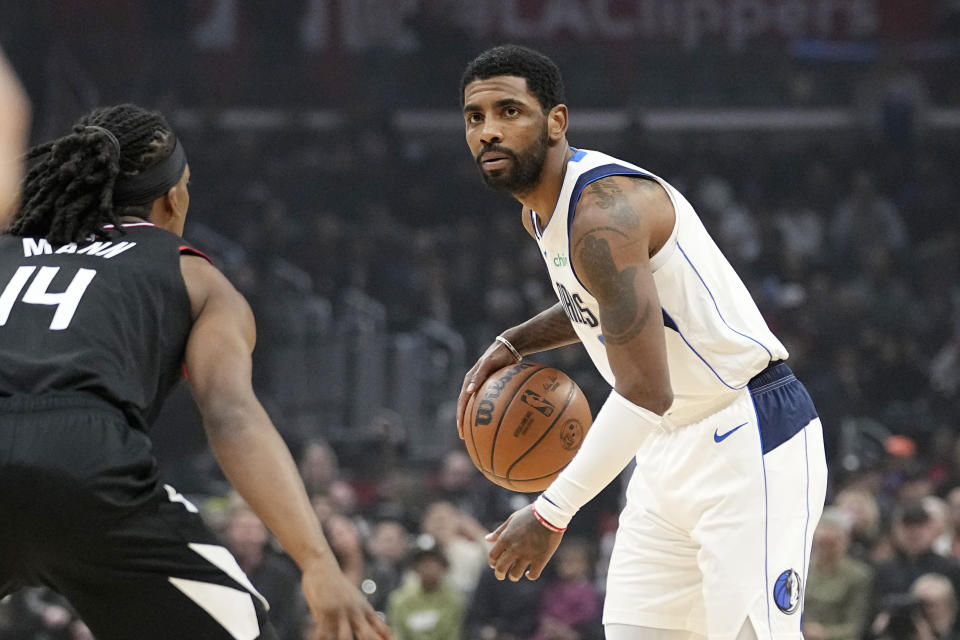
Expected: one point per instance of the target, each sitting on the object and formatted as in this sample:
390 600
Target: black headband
150 184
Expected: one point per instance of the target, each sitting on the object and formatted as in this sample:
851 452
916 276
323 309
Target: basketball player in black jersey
102 307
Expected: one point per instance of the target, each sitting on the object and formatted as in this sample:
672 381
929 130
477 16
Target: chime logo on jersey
560 260
574 307
786 591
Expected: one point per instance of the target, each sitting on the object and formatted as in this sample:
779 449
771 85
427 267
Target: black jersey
110 318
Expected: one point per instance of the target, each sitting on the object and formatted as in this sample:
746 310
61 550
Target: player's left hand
522 546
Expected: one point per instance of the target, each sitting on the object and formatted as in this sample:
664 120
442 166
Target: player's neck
543 198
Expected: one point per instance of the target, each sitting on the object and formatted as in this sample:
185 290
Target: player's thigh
755 550
653 579
162 574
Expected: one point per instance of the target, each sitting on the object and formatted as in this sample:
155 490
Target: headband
153 182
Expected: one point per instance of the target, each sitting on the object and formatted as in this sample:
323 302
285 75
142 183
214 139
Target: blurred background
818 140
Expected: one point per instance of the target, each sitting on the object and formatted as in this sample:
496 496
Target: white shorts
719 518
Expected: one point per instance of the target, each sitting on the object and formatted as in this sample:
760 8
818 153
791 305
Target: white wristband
614 438
510 348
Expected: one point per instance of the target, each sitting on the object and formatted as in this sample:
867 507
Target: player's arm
618 224
14 126
252 454
618 220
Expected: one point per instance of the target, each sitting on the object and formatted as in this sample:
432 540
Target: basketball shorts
84 514
719 518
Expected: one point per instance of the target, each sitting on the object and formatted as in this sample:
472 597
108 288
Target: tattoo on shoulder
624 316
610 196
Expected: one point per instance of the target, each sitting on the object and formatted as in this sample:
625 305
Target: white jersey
716 338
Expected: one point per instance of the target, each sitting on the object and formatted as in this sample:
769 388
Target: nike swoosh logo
720 438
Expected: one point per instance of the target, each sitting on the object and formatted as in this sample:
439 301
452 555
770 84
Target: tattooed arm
619 223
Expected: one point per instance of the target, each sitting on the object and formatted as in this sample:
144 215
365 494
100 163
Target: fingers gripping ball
525 424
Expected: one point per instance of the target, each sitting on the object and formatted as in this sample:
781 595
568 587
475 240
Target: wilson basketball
524 425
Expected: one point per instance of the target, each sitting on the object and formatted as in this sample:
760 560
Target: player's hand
494 358
340 610
522 546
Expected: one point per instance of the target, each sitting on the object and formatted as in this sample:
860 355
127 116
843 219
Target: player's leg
94 524
162 575
630 632
755 541
653 580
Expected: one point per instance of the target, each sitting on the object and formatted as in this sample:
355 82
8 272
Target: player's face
506 131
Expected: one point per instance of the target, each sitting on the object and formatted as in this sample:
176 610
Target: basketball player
14 124
730 477
103 307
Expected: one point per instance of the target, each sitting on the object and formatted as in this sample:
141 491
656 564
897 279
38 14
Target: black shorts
82 512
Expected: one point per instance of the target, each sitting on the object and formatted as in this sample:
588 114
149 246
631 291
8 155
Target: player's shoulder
621 199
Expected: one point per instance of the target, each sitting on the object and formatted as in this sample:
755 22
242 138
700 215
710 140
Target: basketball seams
570 396
475 455
496 432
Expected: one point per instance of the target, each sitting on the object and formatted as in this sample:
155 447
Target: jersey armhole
187 250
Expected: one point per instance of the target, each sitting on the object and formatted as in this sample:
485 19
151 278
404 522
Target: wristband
616 434
543 521
510 348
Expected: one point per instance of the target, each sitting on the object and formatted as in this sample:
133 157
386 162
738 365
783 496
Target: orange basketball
524 425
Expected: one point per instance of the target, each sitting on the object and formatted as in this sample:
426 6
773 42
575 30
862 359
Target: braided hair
68 191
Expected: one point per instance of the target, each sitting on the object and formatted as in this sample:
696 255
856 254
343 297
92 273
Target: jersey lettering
35 246
574 307
37 293
103 249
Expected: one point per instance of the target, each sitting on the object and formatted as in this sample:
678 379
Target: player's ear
173 201
557 122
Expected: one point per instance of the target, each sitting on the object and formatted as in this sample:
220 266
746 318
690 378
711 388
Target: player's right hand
340 610
494 358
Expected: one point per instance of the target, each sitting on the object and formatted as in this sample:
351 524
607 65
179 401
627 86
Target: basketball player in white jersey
729 485
14 124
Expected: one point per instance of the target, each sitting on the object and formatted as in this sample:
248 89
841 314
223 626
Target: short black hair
540 72
68 192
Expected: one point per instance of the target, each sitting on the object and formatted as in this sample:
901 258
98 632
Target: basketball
524 425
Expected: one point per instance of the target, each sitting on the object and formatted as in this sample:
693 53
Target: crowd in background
847 238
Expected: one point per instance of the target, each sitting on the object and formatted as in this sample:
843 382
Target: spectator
348 546
427 608
940 603
389 547
913 536
462 540
503 610
838 586
273 575
863 513
460 483
571 605
318 466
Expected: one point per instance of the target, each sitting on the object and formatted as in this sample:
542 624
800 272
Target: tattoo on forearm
624 315
610 196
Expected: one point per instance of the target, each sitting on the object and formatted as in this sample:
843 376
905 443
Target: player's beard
526 170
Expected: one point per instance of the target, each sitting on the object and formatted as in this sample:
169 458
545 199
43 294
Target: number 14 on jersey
65 301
